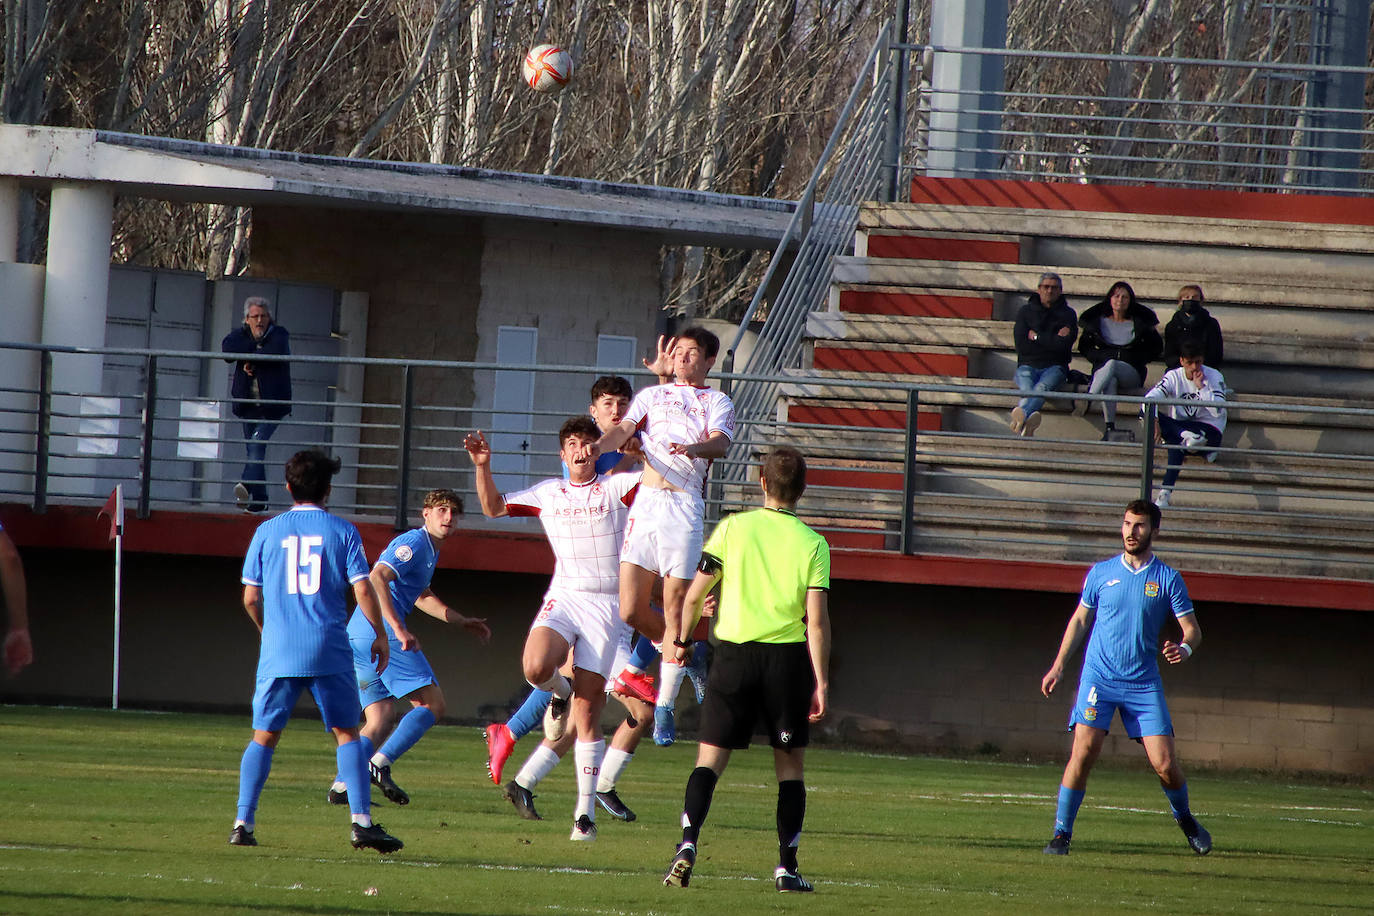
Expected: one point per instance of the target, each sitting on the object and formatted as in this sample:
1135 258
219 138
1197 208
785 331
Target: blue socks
530 714
644 653
410 729
1067 811
253 770
1178 801
353 766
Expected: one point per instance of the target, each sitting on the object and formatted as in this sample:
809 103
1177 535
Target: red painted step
890 362
877 417
987 251
921 305
854 480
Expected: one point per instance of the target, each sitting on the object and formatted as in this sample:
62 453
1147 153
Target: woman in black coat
1119 336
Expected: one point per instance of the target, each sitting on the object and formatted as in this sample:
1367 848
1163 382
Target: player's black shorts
755 682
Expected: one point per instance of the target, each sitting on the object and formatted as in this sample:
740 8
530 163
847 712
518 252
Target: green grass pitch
129 812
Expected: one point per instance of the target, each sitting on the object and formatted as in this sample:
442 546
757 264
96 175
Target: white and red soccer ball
547 68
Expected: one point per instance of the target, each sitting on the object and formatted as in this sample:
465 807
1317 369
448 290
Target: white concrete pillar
9 220
75 293
21 315
965 108
348 398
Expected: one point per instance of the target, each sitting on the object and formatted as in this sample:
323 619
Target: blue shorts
335 694
405 673
1143 710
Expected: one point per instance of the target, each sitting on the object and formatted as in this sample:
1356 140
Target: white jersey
1208 398
682 413
585 524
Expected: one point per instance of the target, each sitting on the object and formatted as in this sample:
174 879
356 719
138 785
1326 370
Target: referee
773 656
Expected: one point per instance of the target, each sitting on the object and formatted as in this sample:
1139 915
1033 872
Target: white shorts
664 532
591 624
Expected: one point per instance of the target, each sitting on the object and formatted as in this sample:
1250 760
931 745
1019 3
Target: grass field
129 812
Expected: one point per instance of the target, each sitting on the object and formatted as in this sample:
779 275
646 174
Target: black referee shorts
758 683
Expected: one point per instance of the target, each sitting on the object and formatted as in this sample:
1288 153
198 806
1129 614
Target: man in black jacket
1045 331
260 393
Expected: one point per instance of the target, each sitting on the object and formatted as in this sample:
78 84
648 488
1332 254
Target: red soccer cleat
500 744
636 684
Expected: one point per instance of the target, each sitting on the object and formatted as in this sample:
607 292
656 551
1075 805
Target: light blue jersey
412 557
304 560
1131 606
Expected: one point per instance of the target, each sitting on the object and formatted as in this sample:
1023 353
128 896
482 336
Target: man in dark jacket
1045 331
260 393
1195 323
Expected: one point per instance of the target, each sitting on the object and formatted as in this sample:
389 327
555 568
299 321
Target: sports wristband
683 645
1186 649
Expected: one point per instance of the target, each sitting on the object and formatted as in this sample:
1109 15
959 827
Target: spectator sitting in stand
1195 323
1044 332
1193 428
1118 336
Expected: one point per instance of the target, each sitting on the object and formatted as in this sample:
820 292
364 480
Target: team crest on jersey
1151 589
404 553
1090 713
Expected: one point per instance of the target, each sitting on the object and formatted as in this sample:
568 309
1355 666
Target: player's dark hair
785 469
613 385
309 474
709 343
580 425
1190 349
1145 507
443 497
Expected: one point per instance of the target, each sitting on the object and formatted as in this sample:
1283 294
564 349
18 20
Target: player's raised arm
662 365
429 603
1079 624
367 603
610 441
493 506
382 576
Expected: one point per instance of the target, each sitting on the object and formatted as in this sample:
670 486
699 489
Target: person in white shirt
584 517
683 427
1193 428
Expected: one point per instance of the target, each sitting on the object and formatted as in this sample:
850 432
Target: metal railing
903 489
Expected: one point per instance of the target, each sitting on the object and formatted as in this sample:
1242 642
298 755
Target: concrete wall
1265 690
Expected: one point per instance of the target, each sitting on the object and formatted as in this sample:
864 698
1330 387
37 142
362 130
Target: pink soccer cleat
636 684
500 744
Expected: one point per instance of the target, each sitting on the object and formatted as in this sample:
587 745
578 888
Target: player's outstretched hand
477 626
662 365
1050 681
478 449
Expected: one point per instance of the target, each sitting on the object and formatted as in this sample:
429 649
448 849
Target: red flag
114 508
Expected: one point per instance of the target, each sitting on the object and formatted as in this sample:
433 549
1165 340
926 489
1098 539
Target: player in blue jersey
401 578
1126 601
295 574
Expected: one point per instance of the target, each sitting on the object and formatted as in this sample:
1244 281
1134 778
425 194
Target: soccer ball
547 68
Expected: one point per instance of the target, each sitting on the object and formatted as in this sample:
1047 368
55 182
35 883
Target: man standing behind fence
260 393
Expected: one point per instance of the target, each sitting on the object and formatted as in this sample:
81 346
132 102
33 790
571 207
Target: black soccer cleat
242 836
1198 838
374 837
381 778
791 882
522 799
584 830
1059 844
680 869
612 803
336 797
